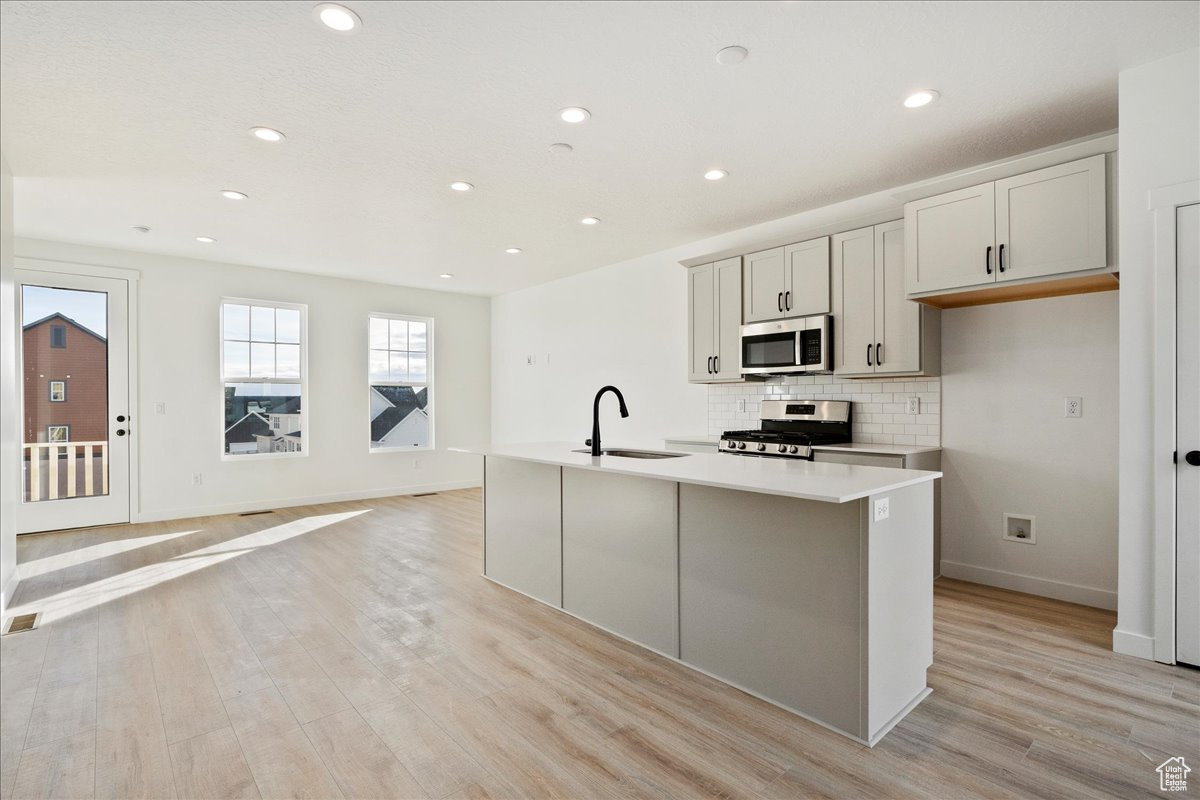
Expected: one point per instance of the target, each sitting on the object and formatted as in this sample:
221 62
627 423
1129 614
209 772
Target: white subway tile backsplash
880 405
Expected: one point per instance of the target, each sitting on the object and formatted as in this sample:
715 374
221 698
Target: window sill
260 456
380 450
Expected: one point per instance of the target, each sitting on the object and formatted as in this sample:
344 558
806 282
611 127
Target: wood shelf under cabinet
1007 293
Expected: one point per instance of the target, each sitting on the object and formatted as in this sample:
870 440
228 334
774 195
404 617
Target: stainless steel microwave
788 346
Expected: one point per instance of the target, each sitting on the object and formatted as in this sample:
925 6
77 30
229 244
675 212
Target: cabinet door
948 237
728 348
897 319
807 290
701 320
1052 220
764 282
854 301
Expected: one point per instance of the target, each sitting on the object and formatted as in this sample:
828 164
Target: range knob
741 445
761 447
793 449
783 448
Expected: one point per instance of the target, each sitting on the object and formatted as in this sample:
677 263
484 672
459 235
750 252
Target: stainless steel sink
636 453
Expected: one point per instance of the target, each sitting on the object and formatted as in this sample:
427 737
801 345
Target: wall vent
21 623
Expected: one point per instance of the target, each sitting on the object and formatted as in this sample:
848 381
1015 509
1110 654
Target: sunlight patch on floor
95 552
64 604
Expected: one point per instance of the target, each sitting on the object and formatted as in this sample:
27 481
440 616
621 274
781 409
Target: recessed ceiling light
141 229
205 239
734 54
715 174
513 251
230 194
922 97
446 275
267 134
590 221
462 186
561 147
337 18
574 114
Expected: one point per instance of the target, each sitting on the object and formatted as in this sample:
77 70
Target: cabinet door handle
869 364
710 365
878 354
780 302
787 301
717 364
987 259
1000 258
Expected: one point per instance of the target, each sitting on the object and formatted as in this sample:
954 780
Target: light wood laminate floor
353 650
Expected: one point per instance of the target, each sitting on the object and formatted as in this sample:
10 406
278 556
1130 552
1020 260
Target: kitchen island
807 584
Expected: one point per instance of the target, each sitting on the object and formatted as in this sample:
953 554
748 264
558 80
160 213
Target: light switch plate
882 508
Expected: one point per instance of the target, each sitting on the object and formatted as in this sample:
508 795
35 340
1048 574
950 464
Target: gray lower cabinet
619 551
522 548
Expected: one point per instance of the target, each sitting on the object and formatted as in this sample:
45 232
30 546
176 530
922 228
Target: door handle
710 358
1000 258
1193 458
121 418
987 259
780 302
120 431
878 354
717 364
869 364
787 300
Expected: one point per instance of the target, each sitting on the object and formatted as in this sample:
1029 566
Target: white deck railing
44 457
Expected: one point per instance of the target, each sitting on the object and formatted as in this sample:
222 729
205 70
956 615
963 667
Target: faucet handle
588 441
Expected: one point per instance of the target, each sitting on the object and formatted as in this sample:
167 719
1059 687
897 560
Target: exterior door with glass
75 416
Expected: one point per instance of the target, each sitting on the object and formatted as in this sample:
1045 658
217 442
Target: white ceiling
116 114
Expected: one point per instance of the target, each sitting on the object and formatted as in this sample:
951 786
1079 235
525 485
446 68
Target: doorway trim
133 277
1163 203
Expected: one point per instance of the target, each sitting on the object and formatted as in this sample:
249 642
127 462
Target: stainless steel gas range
790 429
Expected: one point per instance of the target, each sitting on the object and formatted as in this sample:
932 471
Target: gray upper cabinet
1048 222
1051 221
786 282
714 322
877 330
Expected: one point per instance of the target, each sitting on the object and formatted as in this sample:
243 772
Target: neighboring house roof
292 406
293 435
247 429
404 401
64 318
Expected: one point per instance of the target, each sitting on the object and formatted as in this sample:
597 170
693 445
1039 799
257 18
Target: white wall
1006 445
178 365
9 486
1160 146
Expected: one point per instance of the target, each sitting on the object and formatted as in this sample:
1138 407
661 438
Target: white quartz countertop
806 480
850 447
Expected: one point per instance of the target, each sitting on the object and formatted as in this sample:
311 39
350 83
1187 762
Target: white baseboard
1133 644
291 502
1042 587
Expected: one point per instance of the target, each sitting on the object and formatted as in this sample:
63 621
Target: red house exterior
57 348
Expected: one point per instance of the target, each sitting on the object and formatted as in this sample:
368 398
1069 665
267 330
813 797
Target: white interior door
75 424
1187 476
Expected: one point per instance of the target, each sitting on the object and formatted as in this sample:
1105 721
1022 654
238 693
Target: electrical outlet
1073 407
416 463
742 405
197 479
160 407
882 508
1019 528
531 360
914 406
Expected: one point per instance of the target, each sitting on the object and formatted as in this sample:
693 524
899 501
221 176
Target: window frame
66 428
427 384
54 329
63 399
223 379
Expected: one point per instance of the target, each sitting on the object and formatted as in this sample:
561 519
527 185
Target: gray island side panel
770 598
620 555
522 542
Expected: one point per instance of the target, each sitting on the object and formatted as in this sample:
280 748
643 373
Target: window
58 335
263 366
58 391
58 433
400 377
